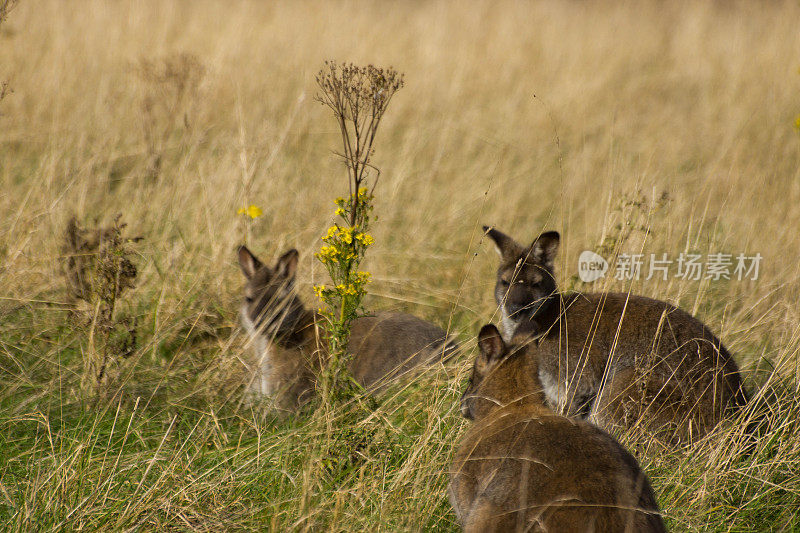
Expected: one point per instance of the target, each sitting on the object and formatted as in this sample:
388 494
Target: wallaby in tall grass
290 353
521 467
619 359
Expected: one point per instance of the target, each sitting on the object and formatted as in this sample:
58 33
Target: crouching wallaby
617 358
290 353
521 467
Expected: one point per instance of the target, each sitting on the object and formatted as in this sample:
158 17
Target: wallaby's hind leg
657 405
488 518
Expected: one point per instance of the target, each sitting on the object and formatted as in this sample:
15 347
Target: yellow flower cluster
329 254
346 235
343 248
365 239
347 289
252 211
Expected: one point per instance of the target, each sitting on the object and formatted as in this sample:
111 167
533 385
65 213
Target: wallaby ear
507 247
545 247
491 344
248 262
287 264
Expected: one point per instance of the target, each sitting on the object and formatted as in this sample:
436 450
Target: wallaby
619 359
290 352
522 467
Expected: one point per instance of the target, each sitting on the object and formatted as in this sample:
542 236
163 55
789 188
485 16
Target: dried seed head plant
98 270
358 97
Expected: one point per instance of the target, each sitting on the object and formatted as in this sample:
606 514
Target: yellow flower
797 123
331 232
340 212
346 234
347 289
327 254
252 211
318 289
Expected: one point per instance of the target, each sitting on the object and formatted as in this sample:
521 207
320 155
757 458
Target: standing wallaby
618 358
289 352
521 467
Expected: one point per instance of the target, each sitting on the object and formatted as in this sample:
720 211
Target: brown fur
619 359
521 467
290 352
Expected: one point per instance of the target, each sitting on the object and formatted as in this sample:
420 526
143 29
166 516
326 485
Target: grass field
635 127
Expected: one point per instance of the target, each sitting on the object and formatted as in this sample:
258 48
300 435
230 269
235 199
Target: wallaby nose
516 310
465 411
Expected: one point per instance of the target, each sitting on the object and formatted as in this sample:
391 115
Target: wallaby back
620 359
521 467
635 360
290 351
388 345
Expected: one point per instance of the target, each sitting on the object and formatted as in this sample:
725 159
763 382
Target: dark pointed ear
286 266
248 262
507 247
545 247
491 344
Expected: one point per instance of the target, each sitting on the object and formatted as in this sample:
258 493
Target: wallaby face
525 278
271 305
521 467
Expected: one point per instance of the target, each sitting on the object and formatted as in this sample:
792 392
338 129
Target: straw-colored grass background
574 116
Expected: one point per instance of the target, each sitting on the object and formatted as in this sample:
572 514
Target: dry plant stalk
358 97
98 270
173 83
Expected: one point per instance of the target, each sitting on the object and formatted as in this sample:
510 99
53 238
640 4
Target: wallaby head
501 375
525 278
271 305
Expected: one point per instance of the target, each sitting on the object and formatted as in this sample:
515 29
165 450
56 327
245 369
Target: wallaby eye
503 283
248 299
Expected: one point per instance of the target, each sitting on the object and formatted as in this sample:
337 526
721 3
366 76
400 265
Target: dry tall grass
524 115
